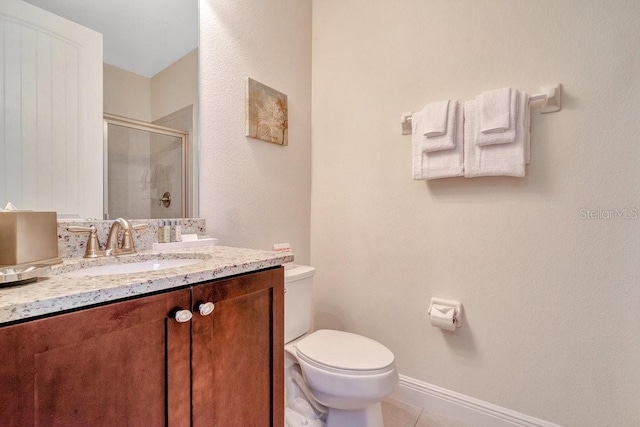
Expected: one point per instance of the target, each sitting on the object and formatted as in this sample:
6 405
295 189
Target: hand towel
438 164
495 160
416 145
492 138
494 109
446 141
435 118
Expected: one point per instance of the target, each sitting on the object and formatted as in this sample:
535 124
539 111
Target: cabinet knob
206 308
183 316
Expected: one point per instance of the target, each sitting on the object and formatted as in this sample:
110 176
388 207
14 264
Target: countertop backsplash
72 245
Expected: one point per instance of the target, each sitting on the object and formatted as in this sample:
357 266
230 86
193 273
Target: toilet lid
345 351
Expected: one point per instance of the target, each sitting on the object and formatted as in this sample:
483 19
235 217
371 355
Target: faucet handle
93 245
79 229
128 245
140 227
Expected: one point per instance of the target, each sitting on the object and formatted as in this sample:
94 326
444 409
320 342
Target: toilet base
369 417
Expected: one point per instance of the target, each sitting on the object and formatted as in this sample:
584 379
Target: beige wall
253 193
126 94
551 299
175 87
137 97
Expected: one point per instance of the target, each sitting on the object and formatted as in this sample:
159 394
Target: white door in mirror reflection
146 174
51 155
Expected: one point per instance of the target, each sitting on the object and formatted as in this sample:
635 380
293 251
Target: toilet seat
345 353
344 371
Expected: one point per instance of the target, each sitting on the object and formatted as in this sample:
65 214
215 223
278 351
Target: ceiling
141 36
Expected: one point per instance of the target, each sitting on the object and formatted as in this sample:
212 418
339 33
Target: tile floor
400 414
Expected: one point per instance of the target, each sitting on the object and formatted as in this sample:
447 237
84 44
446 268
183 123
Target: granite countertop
57 292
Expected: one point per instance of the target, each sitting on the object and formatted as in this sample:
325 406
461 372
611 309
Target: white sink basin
133 267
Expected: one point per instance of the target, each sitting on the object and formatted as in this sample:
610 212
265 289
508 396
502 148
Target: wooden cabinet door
238 352
122 364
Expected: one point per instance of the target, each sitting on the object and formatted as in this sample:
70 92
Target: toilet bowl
344 375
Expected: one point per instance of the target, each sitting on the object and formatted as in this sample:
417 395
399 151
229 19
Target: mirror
150 66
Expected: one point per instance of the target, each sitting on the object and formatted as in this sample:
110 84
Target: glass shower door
145 170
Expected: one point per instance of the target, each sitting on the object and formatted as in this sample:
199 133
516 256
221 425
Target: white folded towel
499 159
438 164
446 141
494 111
435 118
491 138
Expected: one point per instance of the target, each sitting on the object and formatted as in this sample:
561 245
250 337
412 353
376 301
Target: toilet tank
298 283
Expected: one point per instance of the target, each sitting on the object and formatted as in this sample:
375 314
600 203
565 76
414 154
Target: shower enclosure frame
110 119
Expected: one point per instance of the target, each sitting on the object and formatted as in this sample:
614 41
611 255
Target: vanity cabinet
131 363
237 359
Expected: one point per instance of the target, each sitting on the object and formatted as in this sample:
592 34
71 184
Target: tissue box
27 237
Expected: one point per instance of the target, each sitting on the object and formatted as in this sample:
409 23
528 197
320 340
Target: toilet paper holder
456 305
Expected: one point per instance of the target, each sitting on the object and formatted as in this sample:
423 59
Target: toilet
332 378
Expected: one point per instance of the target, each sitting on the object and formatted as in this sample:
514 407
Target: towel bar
550 96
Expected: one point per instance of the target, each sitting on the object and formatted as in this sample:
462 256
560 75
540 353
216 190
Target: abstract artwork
266 113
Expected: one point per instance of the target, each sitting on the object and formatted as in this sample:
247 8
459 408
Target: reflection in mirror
145 174
150 74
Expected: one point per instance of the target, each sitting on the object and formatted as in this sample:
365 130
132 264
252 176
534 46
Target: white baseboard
456 406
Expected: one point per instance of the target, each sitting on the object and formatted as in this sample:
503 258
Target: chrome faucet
113 247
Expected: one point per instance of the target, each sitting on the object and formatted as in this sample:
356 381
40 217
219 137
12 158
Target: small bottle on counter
163 232
178 232
172 231
160 232
167 231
